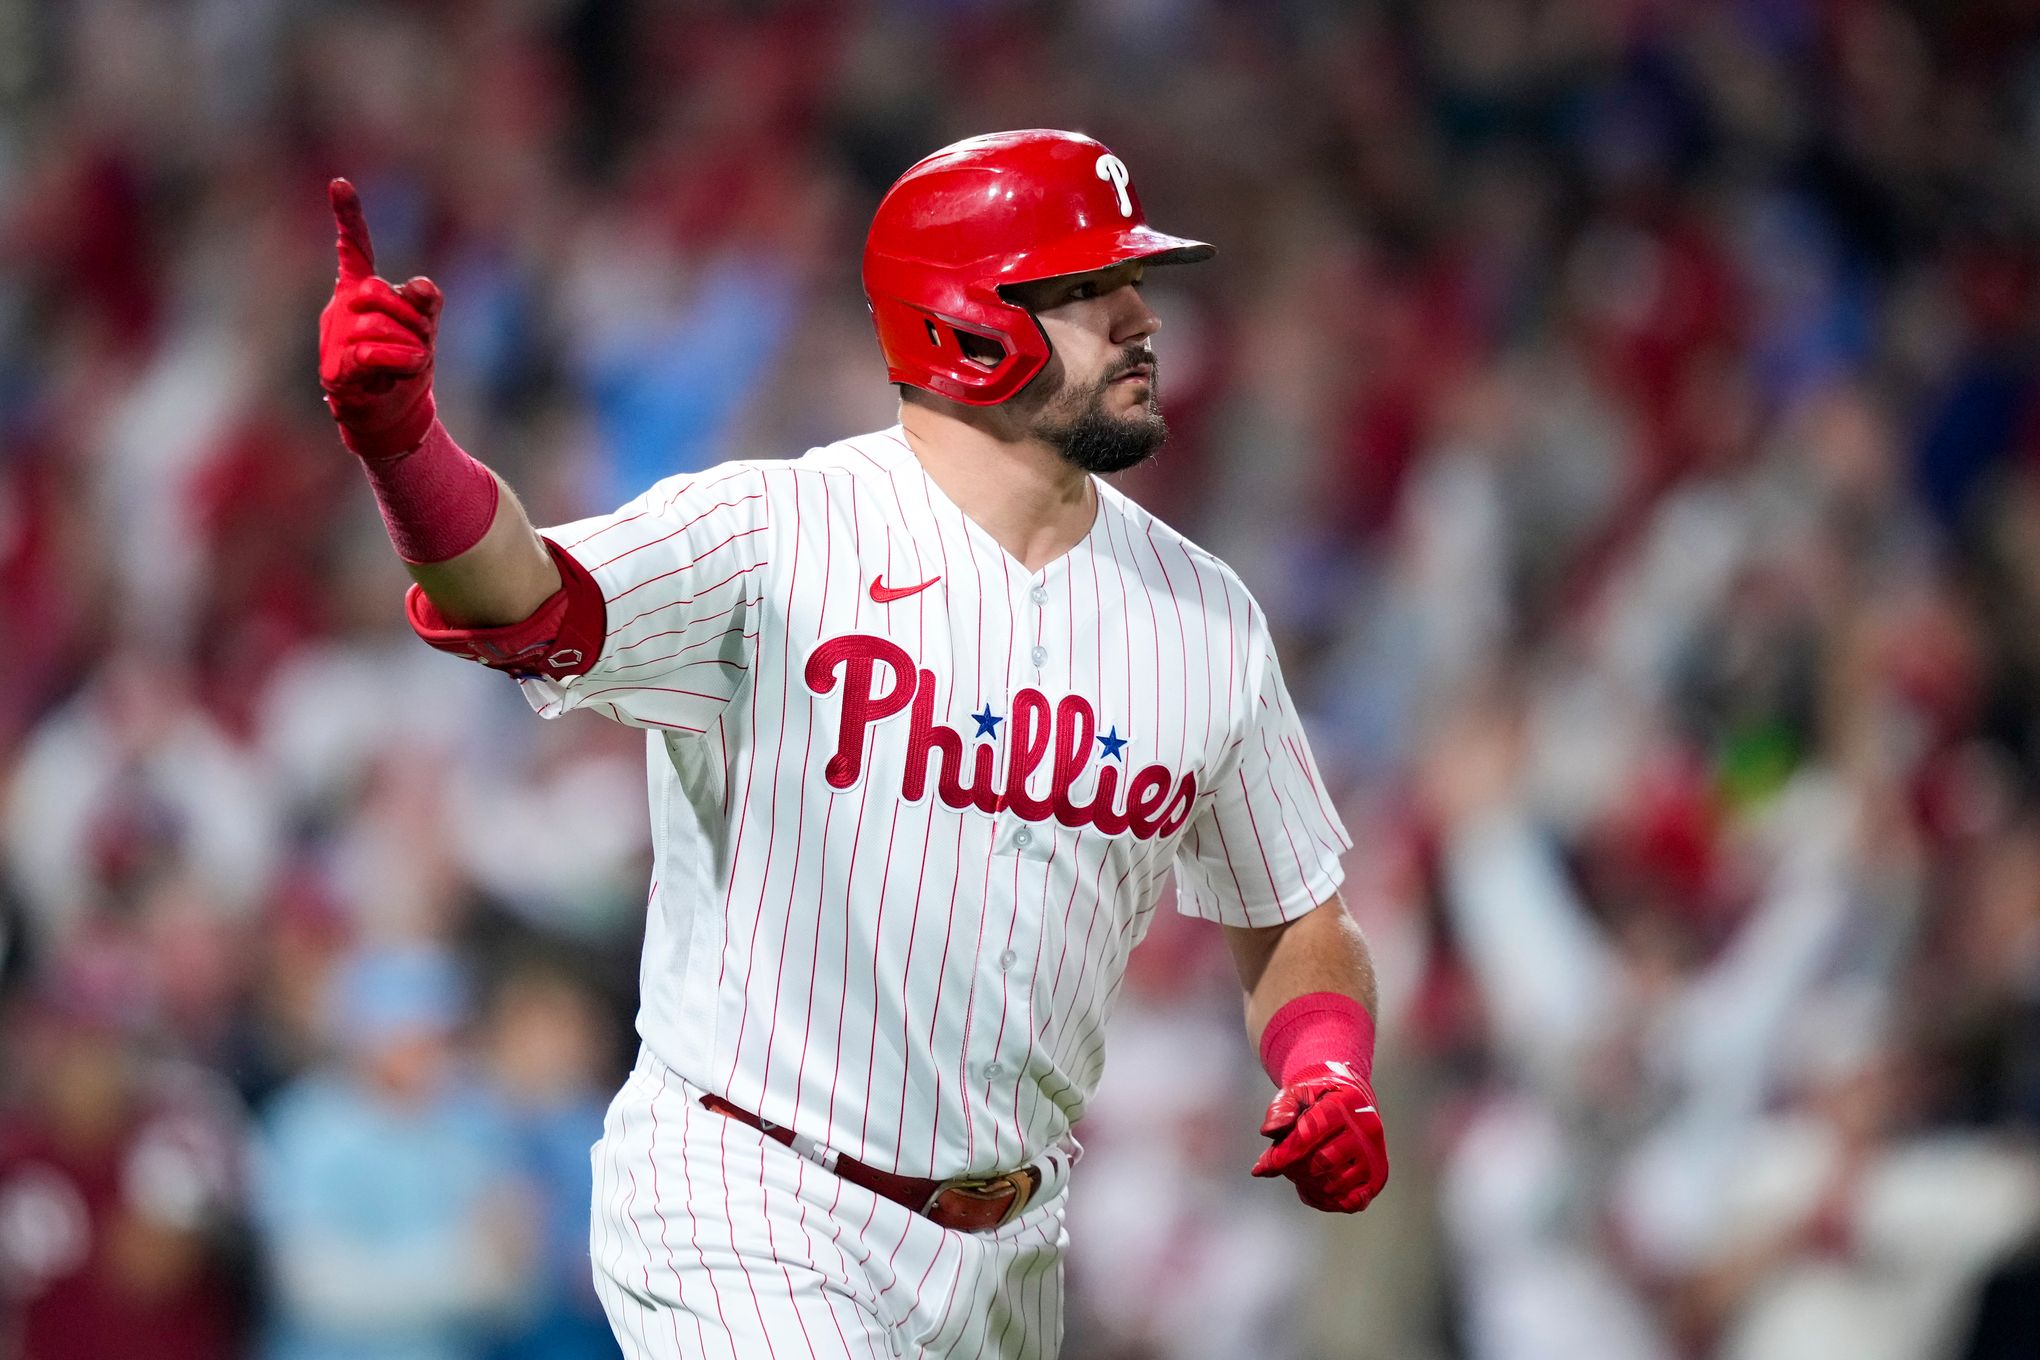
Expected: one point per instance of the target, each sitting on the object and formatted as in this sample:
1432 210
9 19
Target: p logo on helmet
1112 168
964 223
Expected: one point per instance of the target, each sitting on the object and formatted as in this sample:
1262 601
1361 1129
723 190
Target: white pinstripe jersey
904 841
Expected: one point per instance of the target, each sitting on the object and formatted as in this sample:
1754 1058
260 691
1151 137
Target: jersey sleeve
659 609
1266 846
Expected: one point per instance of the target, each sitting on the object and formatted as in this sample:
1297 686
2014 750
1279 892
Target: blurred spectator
130 777
546 1048
1847 1226
387 1192
120 1181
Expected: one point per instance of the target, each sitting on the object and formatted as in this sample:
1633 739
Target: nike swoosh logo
885 594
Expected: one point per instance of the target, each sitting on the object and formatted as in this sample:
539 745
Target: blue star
1112 741
988 723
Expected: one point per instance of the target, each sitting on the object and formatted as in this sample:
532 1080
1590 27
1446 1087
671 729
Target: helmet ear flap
979 364
953 342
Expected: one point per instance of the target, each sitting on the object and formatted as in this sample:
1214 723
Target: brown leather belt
967 1204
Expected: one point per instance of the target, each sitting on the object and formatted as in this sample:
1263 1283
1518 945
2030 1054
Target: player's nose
1134 319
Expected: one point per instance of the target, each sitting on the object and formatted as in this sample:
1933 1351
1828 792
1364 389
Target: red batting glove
375 344
1328 1139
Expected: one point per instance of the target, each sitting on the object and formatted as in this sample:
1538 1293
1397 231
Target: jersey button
1039 594
1038 655
993 1071
1007 958
1023 837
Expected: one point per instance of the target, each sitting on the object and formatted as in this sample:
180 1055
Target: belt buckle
981 1193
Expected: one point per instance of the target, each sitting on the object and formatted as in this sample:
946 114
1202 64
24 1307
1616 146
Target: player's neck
1025 495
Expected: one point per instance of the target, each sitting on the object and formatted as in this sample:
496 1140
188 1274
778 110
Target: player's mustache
1134 358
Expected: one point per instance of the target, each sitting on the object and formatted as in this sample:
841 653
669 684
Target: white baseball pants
711 1240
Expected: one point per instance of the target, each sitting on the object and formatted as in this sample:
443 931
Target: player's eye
1083 290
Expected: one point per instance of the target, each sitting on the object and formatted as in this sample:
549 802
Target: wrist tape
436 501
1315 1028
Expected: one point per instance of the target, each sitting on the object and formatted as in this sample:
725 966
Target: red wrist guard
1318 1027
562 637
436 501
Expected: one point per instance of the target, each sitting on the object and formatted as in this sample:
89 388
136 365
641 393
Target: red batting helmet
1008 207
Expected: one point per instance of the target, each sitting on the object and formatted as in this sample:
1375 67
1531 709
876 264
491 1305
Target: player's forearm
502 579
1321 951
1310 1002
452 521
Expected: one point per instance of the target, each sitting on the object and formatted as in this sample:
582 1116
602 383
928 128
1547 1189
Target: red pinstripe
1084 963
652 689
1303 773
892 839
687 1198
654 542
1077 981
1012 923
1076 845
690 627
674 604
1204 619
1084 958
1225 849
737 851
696 484
800 839
629 1211
722 1158
772 1244
850 886
800 1198
723 741
1098 620
957 1291
1155 631
956 879
1254 825
671 499
617 714
1182 647
687 566
715 661
613 524
1275 792
1012 1311
906 1230
984 900
913 926
772 807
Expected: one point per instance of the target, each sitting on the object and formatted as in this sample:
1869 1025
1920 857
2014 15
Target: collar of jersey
892 452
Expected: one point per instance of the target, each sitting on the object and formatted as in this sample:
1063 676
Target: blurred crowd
1625 409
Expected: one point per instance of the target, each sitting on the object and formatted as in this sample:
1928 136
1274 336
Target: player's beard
1076 424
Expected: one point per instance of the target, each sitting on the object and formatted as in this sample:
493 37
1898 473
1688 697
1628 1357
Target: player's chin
1132 395
1138 417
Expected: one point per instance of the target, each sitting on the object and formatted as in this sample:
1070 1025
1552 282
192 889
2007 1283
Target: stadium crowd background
1624 408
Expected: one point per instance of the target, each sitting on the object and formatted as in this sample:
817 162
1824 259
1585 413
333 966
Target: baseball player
930 716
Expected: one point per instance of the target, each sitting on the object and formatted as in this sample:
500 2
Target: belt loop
824 1157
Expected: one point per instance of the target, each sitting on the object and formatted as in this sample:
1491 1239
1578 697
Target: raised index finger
357 256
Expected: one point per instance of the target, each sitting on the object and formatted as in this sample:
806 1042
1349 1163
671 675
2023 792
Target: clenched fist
375 344
1328 1139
